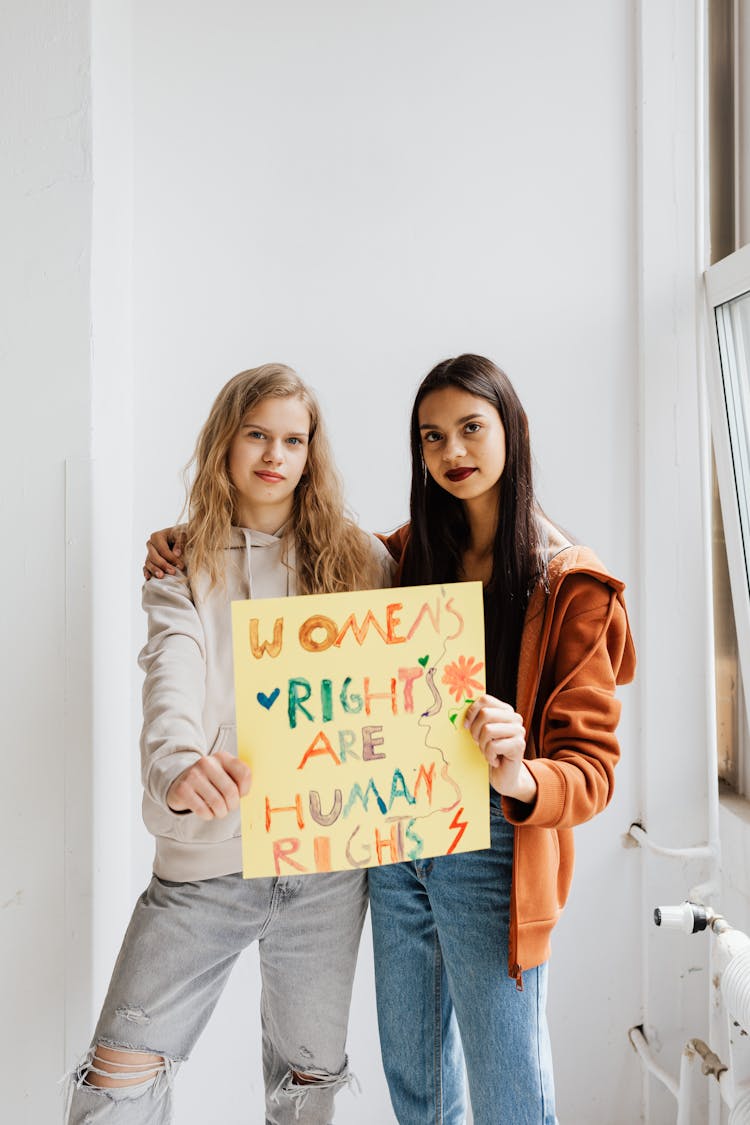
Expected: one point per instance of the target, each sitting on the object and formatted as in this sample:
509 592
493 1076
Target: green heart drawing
423 660
454 714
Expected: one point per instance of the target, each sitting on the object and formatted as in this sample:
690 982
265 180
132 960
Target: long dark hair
439 532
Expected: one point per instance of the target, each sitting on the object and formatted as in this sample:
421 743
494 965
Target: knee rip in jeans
119 1072
297 1084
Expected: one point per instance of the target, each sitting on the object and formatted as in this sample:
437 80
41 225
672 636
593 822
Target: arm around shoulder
385 567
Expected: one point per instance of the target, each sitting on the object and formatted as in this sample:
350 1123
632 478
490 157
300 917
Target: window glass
733 334
728 398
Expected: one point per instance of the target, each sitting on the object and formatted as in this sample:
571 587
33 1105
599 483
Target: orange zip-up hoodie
576 647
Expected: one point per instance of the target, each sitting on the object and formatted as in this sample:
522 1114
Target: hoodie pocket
225 739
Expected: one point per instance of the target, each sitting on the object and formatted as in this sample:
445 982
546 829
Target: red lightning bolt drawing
461 826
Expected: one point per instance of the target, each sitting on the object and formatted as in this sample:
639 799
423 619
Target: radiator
731 971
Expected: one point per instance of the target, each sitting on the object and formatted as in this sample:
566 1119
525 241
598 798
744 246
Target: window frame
726 281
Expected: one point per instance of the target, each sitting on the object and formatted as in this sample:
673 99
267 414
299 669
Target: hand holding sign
211 787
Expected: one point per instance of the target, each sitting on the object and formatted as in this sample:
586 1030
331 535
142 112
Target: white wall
359 190
45 874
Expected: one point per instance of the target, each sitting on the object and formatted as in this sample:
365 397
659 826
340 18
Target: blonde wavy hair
332 554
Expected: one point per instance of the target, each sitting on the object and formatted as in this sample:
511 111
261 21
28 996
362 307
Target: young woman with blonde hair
266 518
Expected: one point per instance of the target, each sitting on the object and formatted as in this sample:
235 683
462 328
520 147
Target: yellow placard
350 714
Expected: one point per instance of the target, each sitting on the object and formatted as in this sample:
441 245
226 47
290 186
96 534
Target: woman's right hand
211 788
164 552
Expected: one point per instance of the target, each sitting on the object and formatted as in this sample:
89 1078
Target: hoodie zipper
515 969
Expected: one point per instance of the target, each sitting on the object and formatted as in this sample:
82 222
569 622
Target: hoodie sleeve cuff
545 811
165 771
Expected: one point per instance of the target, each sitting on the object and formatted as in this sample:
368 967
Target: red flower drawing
459 677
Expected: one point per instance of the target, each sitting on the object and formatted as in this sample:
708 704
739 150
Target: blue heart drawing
268 701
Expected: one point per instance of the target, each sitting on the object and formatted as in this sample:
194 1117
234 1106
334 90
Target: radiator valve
688 917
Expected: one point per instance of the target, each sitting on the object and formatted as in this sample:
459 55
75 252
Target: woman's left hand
499 732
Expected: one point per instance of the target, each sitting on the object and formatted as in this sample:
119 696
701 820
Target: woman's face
266 460
463 443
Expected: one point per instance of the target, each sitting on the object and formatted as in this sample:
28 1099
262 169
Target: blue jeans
440 936
179 949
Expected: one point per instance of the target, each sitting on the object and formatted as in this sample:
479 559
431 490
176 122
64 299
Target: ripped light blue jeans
179 949
440 937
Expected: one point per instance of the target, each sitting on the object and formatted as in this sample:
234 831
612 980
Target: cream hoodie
188 694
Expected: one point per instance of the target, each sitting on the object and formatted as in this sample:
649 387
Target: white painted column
116 577
673 619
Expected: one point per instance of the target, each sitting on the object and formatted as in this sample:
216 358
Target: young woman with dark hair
441 545
462 941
